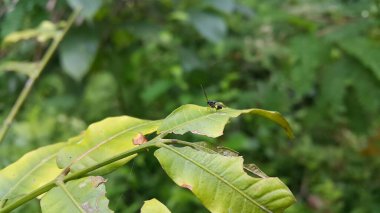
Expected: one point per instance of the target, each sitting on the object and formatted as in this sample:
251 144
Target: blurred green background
316 62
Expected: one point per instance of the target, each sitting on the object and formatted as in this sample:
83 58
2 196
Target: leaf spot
97 180
187 186
82 185
139 139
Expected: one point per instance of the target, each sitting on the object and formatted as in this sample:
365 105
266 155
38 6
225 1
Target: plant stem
32 78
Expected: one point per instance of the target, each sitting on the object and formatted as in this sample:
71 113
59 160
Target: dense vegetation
317 62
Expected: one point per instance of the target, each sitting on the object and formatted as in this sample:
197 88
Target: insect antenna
204 92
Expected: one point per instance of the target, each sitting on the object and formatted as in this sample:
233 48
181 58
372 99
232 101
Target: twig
32 78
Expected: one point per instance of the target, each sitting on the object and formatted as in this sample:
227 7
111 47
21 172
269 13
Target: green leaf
77 52
31 171
309 52
226 6
45 31
88 7
365 50
211 122
255 170
212 149
153 205
155 90
221 183
102 140
210 26
190 60
83 195
22 67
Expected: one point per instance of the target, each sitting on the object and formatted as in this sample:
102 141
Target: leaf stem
34 75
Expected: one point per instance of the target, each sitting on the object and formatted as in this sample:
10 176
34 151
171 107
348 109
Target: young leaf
211 122
83 195
221 183
155 206
102 140
19 66
45 31
31 171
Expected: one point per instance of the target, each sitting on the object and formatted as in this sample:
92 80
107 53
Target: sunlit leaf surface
221 183
155 206
33 170
18 66
105 139
45 31
211 122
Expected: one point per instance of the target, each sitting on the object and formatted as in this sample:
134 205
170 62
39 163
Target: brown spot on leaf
97 180
139 139
187 186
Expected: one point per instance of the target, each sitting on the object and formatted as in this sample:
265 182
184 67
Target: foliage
314 61
111 143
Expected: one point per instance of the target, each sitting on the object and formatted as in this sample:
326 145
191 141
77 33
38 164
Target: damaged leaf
82 195
210 148
211 122
139 139
221 183
255 170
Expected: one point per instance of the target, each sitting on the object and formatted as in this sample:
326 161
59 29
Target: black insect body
213 104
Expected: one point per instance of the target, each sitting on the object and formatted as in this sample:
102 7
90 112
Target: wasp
213 104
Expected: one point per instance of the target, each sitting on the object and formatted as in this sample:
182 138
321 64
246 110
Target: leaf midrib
70 196
218 177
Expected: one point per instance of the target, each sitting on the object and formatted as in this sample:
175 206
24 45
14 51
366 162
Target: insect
213 104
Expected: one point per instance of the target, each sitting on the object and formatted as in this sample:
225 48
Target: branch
155 142
32 78
77 175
